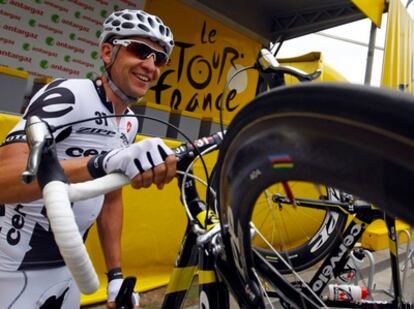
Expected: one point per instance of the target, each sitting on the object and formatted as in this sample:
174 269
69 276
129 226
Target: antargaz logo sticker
44 64
55 18
26 46
94 55
32 23
50 41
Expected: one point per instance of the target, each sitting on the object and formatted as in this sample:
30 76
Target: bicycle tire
315 126
310 246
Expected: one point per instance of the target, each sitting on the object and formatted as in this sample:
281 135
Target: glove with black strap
132 160
118 292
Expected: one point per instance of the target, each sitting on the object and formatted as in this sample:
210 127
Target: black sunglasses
143 51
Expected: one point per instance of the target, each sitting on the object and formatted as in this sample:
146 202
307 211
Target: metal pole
370 55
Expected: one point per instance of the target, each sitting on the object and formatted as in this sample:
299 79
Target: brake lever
123 299
267 63
38 136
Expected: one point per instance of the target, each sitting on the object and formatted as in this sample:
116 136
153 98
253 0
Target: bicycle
228 260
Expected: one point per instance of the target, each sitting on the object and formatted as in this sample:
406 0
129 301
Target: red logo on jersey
129 125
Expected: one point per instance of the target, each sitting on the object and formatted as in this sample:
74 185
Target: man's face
133 75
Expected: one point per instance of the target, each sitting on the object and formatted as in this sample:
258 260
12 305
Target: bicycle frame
200 252
362 215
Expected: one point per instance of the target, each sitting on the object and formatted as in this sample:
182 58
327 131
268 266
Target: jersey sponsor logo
80 152
17 222
55 96
96 131
18 136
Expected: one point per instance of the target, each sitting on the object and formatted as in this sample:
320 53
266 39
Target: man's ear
106 52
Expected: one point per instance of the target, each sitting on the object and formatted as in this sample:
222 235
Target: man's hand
147 162
113 291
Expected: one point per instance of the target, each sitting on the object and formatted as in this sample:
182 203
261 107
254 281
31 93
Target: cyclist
134 45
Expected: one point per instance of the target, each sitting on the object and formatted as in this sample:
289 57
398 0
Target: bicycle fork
196 259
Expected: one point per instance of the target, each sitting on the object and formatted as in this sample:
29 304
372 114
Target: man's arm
109 223
13 160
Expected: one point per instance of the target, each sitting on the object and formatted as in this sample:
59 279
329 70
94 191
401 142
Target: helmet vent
127 16
162 29
128 25
151 22
116 23
143 27
140 17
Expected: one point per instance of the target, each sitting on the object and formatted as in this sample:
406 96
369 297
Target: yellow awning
373 9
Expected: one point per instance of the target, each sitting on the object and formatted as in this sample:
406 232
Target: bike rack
357 264
408 257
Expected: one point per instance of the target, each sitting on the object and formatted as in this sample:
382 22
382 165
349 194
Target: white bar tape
68 238
88 189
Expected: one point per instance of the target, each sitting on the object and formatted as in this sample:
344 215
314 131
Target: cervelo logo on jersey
13 235
96 131
53 95
80 152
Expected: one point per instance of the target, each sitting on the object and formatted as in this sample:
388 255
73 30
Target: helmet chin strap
126 99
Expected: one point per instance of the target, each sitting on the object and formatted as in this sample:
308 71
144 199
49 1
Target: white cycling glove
132 160
113 288
115 280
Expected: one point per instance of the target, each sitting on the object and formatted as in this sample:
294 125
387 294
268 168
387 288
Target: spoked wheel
357 139
284 230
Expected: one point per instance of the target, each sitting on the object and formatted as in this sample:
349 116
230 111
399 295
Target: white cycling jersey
26 242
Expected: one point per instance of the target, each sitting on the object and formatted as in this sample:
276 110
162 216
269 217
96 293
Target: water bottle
346 292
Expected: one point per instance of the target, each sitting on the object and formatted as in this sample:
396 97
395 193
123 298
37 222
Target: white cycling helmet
127 23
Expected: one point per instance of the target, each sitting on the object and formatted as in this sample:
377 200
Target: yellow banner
206 54
398 65
373 9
